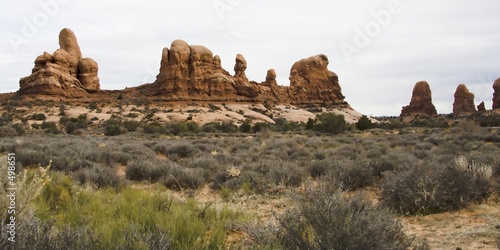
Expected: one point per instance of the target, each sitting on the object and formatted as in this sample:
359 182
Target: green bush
113 127
38 117
364 123
73 124
330 123
326 220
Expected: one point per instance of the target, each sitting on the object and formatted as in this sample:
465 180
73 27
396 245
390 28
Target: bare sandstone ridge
496 95
193 73
421 101
464 101
64 73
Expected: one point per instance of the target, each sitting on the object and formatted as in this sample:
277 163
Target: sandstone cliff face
496 94
421 101
464 101
64 73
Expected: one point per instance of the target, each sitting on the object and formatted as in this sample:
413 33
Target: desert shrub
182 150
131 125
288 174
351 175
139 170
38 117
31 156
113 127
50 128
98 175
326 220
179 178
318 168
433 188
245 127
73 124
19 128
7 131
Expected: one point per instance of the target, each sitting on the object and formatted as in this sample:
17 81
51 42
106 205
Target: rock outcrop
421 101
464 101
193 73
496 94
64 73
312 82
481 107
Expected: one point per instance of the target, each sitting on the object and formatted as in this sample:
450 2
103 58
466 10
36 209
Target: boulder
421 101
64 73
464 101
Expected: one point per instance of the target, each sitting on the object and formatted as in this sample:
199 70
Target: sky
379 48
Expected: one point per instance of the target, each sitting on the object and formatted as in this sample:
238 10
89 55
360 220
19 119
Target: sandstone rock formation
421 101
496 94
312 82
193 73
65 73
464 101
481 107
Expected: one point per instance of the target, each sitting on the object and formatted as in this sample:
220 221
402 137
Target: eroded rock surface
464 101
64 73
421 101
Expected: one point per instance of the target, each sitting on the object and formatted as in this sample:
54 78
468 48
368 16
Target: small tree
364 123
330 123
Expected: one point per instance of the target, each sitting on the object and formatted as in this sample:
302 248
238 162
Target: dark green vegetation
85 203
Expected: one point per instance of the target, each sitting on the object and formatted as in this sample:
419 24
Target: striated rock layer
193 73
421 101
464 101
64 73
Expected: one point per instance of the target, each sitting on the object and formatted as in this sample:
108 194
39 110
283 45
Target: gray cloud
446 42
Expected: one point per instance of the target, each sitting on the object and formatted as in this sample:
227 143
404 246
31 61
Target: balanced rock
312 82
421 101
496 94
64 73
464 101
271 77
481 107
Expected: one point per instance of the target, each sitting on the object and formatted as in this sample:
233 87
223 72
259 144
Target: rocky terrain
496 95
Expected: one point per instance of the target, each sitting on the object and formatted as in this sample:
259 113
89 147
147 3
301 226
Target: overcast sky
379 48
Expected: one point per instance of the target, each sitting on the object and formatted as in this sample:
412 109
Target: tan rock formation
464 101
496 94
312 82
481 107
64 73
421 101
